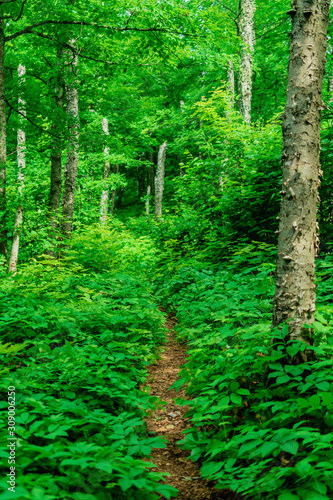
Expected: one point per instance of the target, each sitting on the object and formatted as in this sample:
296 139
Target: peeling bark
106 173
57 123
247 34
295 295
159 180
3 151
72 98
14 252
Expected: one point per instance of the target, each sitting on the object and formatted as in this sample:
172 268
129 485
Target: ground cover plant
76 337
260 426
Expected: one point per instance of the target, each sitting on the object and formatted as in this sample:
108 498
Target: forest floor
169 421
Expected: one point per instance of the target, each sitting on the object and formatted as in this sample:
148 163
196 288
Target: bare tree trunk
3 153
57 123
147 200
159 179
152 174
106 173
72 97
246 28
20 177
295 295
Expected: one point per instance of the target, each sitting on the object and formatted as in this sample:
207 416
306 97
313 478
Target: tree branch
30 121
29 29
21 11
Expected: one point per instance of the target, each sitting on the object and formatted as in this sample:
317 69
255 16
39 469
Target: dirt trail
168 421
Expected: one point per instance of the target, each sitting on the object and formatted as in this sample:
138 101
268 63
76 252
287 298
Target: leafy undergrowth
76 337
260 426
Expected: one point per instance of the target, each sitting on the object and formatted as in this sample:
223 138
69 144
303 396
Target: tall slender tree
57 129
3 149
295 294
14 252
72 98
247 34
106 173
159 180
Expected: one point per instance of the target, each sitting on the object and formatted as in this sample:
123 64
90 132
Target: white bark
147 200
106 173
72 97
159 179
247 34
14 252
21 135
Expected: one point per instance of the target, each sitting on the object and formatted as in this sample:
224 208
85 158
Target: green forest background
80 320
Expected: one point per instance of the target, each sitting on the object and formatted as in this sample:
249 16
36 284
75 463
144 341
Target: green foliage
261 427
77 336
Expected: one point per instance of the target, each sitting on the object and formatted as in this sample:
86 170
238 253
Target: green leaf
315 401
290 447
249 446
283 379
287 495
210 468
267 448
236 399
303 468
327 398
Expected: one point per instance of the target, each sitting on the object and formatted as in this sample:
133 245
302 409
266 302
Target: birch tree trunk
106 173
147 200
20 177
295 295
72 98
246 28
3 153
159 179
57 124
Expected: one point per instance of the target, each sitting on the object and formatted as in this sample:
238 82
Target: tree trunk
72 97
159 179
295 295
57 124
3 153
147 200
20 177
152 174
106 173
247 9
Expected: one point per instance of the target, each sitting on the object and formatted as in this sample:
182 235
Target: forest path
169 421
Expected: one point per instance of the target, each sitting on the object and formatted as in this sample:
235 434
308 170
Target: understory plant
261 426
76 336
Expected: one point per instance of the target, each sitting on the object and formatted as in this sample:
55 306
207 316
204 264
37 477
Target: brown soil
169 421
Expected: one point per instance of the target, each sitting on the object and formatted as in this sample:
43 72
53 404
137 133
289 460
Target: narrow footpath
169 421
